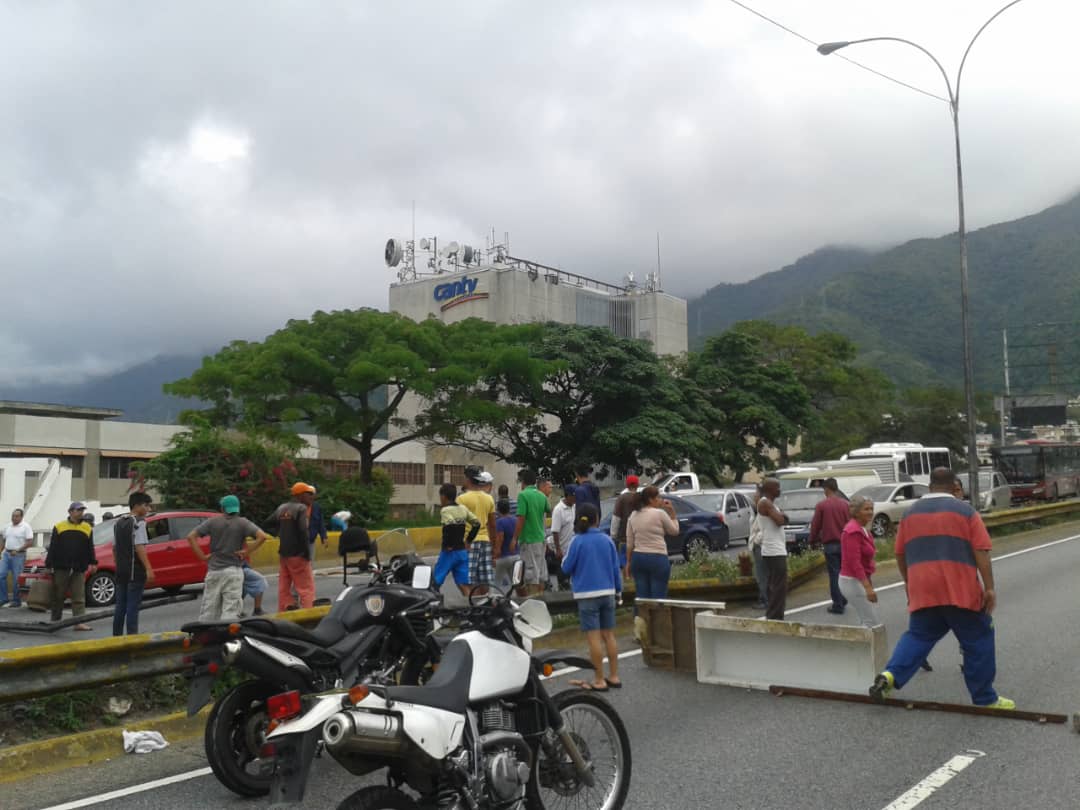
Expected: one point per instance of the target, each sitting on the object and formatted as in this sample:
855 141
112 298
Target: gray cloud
176 175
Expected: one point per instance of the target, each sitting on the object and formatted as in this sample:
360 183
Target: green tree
342 374
554 396
847 400
747 403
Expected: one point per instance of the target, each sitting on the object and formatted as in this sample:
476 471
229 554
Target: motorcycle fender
434 731
325 707
563 657
201 688
291 767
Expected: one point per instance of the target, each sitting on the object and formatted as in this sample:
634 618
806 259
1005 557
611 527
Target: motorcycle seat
448 688
326 633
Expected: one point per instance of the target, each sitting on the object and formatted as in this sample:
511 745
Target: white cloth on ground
143 742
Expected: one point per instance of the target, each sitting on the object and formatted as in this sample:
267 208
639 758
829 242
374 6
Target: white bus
900 461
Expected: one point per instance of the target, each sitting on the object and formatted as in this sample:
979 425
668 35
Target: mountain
901 306
136 390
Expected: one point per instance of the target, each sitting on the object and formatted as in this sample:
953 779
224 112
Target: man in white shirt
561 533
18 537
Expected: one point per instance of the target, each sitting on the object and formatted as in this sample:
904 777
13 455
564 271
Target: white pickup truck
677 483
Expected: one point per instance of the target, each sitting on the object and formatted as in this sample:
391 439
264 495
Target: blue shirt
593 565
586 492
316 529
506 526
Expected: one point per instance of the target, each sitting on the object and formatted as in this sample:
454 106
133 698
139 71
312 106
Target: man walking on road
477 500
223 595
830 517
532 508
17 538
134 573
942 553
290 521
586 492
71 559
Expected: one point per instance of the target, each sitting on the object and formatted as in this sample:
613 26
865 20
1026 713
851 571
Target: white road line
934 782
130 791
900 584
570 670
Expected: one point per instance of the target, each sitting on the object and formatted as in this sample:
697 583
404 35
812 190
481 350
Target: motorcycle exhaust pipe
244 656
364 733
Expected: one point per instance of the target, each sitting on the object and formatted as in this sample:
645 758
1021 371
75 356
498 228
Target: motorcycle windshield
394 542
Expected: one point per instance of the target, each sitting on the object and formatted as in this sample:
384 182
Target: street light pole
827 48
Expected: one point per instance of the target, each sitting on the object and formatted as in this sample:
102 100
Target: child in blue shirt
596 579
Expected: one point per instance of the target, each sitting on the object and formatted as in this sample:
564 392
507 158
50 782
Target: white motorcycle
483 733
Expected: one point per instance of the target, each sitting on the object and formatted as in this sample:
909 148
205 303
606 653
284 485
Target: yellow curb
20 762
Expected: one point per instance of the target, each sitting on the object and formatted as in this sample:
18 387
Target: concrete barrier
758 653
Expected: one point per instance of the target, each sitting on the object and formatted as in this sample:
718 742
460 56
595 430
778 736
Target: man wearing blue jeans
17 537
133 570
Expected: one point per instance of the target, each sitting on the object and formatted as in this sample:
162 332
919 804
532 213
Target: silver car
890 503
994 490
732 506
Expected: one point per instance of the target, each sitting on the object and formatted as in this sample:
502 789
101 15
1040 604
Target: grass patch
702 565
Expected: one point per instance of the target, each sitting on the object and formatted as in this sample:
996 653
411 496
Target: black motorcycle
379 633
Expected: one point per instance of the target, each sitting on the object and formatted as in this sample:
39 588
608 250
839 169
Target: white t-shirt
773 542
17 536
562 522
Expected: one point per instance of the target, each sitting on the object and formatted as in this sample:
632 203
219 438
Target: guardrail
32 672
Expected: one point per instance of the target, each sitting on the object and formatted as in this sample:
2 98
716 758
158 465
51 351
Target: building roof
53 409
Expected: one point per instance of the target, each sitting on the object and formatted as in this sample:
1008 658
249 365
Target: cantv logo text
465 286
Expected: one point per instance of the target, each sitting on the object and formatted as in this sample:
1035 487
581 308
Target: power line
794 33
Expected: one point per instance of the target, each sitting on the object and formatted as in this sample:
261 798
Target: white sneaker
4 604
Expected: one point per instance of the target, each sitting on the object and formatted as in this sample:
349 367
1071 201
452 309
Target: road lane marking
570 670
130 791
934 782
900 583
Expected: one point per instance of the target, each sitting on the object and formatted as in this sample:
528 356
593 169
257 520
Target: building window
404 473
73 463
449 474
115 467
332 466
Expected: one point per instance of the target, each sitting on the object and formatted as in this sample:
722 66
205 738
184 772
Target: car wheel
101 589
693 543
880 525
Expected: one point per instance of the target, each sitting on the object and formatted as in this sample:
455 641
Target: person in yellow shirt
481 504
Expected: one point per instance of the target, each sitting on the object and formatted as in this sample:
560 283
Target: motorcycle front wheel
601 738
235 732
378 797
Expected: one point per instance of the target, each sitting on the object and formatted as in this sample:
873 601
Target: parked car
799 505
175 564
733 507
994 490
698 528
890 503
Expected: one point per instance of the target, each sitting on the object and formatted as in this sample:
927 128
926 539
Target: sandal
587 686
82 628
613 684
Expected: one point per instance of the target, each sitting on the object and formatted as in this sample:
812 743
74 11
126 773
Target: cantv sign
458 292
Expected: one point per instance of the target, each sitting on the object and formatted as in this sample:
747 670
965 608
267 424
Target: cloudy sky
176 174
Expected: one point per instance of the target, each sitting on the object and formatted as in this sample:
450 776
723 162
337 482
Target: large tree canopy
343 374
588 398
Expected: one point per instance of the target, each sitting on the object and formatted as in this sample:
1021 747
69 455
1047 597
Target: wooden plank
924 705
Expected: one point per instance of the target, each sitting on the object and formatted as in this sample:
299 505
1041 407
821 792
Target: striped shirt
938 537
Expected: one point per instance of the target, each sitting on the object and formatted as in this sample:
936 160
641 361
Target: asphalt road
699 746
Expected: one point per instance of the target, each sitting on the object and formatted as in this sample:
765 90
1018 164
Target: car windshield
103 532
799 500
877 493
709 502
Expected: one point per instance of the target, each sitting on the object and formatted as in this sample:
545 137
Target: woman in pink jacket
857 561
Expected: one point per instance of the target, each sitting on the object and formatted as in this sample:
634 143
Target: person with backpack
134 574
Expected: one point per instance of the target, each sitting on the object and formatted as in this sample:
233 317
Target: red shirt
830 517
938 538
857 551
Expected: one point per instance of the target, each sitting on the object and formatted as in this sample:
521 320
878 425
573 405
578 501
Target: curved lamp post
827 48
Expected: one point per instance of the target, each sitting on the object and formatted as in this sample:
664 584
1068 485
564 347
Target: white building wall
49 431
137 436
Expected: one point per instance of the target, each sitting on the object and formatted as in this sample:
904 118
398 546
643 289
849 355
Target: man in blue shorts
454 555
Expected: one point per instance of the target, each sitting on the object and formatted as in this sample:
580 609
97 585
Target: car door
901 499
684 514
737 516
159 551
189 569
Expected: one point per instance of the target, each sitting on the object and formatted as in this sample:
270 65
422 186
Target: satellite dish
425 243
394 252
468 253
451 249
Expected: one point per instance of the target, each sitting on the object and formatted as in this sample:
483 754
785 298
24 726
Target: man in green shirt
532 508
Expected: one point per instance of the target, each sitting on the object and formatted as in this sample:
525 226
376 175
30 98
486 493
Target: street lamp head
825 48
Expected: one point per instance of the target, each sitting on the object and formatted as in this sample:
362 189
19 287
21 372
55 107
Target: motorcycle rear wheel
234 733
378 797
602 740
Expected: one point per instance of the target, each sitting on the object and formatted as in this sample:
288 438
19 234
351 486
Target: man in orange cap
290 523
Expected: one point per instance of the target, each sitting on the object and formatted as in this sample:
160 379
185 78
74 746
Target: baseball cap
570 491
230 504
299 488
484 478
76 505
631 480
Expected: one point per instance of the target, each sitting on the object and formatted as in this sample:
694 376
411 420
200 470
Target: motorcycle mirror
421 577
532 619
518 576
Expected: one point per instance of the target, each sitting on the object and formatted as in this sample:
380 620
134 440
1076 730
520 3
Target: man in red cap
290 523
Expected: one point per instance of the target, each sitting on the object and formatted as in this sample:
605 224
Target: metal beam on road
925 705
52 627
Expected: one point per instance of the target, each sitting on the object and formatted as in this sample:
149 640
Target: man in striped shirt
942 552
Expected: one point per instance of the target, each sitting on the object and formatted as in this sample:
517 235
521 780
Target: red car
171 557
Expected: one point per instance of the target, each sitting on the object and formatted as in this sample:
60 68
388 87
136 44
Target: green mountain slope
902 306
